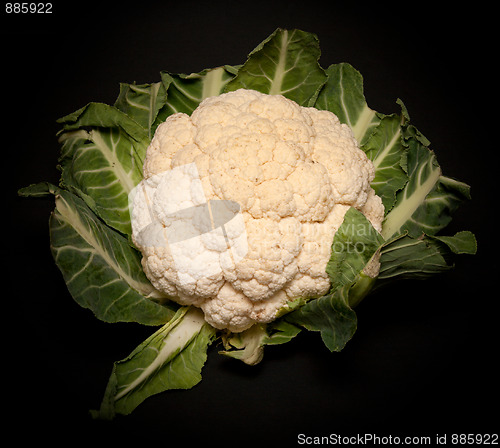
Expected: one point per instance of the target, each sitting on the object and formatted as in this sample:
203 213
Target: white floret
292 173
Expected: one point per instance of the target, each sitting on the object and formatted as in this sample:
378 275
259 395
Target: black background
423 361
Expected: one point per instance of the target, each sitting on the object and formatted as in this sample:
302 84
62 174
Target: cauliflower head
240 202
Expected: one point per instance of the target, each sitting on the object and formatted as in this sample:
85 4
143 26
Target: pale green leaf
248 346
280 332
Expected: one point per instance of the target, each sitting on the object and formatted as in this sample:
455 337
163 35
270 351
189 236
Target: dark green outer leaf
102 271
104 163
101 168
171 358
331 315
385 149
343 95
286 63
408 257
428 199
142 103
186 92
463 242
105 116
354 244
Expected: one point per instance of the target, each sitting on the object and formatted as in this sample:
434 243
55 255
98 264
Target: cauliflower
277 177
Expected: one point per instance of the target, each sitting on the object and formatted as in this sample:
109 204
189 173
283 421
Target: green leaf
172 358
463 242
186 92
280 332
100 166
354 244
343 95
248 346
428 200
105 116
408 257
103 149
385 149
331 315
286 63
102 155
39 190
102 271
142 103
